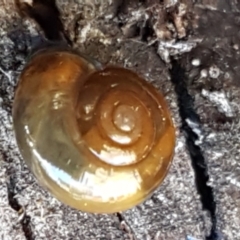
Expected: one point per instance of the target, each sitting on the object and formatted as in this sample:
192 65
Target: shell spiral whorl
126 116
99 140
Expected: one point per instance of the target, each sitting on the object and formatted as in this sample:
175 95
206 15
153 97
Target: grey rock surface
144 36
215 87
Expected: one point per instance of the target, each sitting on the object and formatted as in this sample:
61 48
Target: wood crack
187 113
125 227
25 220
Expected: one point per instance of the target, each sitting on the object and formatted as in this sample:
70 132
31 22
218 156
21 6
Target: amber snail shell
100 140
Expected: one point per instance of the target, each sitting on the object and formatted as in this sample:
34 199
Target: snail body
100 139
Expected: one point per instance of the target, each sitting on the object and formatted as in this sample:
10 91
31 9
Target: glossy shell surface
99 140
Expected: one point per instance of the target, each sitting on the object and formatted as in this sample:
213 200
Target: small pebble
214 72
196 62
204 73
235 46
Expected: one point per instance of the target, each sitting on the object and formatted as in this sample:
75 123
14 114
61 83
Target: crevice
125 227
47 15
147 31
187 113
120 217
25 220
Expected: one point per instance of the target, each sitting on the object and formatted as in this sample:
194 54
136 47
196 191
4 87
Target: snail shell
100 140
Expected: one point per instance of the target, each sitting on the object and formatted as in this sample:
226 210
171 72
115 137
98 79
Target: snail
99 138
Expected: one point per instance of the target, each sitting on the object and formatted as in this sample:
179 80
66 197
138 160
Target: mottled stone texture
202 88
214 83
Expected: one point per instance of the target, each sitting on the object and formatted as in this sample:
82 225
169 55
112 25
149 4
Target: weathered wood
134 35
215 87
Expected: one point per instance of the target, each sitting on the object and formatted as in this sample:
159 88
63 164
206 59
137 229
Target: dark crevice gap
120 217
125 227
47 15
25 220
147 31
186 111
